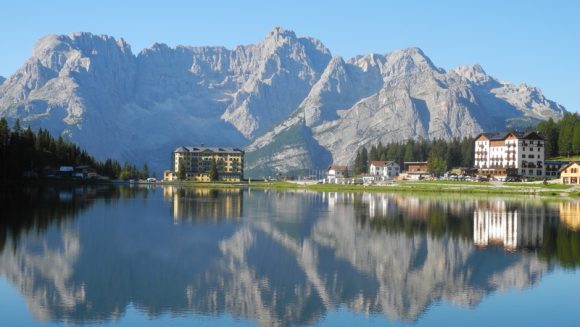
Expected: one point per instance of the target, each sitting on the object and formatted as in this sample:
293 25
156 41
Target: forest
28 154
562 137
440 154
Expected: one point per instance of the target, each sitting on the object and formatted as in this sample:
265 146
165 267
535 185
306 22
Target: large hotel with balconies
197 162
510 154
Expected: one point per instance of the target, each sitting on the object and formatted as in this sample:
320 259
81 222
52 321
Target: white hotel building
509 154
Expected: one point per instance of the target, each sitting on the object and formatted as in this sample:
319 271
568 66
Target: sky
534 42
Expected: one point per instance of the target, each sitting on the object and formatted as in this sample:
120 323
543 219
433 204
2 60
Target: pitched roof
499 136
382 163
568 165
200 149
339 168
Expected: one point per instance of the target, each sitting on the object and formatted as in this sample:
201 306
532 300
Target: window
574 170
523 155
538 173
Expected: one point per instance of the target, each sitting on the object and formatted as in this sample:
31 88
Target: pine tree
566 134
145 172
409 151
181 170
373 154
213 172
364 161
358 162
576 139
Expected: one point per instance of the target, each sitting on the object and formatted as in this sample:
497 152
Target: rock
93 90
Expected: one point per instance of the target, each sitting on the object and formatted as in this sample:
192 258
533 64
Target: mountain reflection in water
277 258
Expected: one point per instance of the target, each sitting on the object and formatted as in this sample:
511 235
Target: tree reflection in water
278 258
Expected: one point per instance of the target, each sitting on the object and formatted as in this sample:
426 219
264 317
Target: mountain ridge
95 91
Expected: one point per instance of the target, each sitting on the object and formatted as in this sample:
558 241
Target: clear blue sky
536 42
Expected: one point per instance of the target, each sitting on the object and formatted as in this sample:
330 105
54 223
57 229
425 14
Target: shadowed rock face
286 98
278 259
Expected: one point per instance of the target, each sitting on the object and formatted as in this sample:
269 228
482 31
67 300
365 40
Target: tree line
562 137
439 154
25 153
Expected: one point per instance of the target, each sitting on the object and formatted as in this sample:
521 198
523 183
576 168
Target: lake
158 256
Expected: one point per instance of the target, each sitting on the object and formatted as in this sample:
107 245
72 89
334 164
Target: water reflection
496 222
204 203
570 214
280 258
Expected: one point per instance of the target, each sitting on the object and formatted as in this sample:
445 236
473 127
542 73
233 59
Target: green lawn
433 187
564 158
548 186
447 182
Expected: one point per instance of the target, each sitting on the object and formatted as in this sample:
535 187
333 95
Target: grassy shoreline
448 187
550 190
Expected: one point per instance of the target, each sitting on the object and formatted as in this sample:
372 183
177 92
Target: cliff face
286 98
395 97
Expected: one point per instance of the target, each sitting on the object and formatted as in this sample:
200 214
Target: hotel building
197 162
510 154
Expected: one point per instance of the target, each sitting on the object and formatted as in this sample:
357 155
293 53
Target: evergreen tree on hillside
181 170
145 172
357 163
26 153
561 138
364 161
438 159
213 171
549 130
373 154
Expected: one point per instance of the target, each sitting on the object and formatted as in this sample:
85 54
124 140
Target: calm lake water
181 257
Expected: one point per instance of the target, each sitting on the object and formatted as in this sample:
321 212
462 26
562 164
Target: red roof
339 168
381 163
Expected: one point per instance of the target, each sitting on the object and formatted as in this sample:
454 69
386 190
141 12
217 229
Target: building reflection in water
570 214
298 257
495 222
204 203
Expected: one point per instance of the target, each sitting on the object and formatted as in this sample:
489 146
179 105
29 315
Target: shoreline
448 187
534 189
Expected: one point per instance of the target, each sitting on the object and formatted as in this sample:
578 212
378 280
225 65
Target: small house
385 169
570 173
336 173
416 166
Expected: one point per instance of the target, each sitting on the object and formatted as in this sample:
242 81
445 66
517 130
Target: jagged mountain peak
372 59
77 40
92 89
280 39
280 32
396 63
474 74
410 59
158 46
336 61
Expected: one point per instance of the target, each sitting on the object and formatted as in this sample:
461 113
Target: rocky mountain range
286 99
